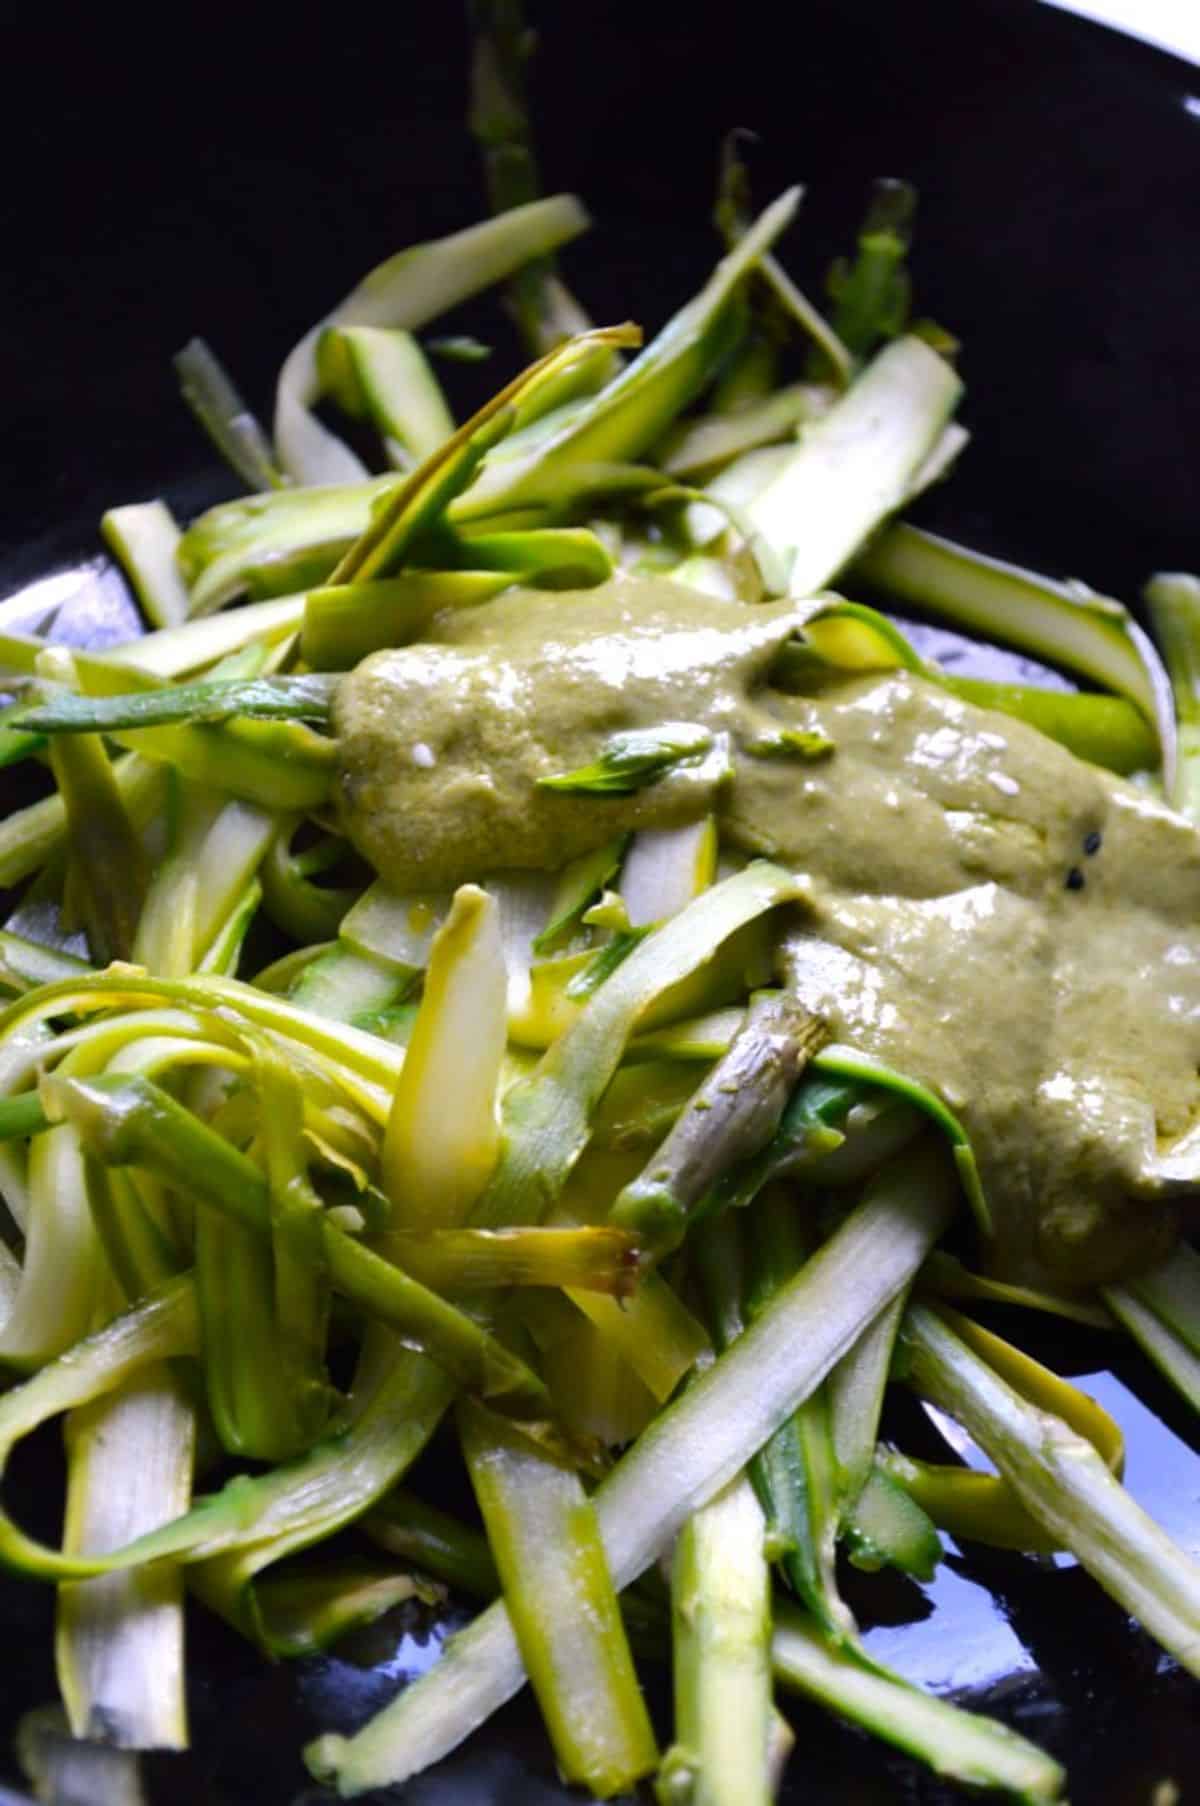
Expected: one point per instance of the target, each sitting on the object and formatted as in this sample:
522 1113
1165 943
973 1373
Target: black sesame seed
1092 842
1074 878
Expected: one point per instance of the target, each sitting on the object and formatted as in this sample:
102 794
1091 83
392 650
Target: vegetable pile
555 1166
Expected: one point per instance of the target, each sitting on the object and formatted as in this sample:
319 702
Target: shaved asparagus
685 1457
733 1115
405 292
119 1641
135 1123
854 466
1064 622
721 1614
954 1743
434 1169
146 539
1065 1486
1173 598
546 1541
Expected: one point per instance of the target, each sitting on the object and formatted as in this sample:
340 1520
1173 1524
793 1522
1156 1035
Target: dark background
233 172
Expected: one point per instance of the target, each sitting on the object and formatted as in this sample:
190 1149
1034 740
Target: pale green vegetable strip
145 538
438 1157
345 622
180 650
435 1542
546 1542
422 501
701 445
234 1535
306 910
1174 1357
960 1745
1065 623
302 533
154 1330
198 886
345 985
397 930
105 862
946 1276
1065 1486
1109 730
352 1053
632 411
545 1117
301 1283
577 885
856 1388
278 764
691 1450
1172 1291
398 389
654 1331
26 964
449 1260
209 391
119 1637
68 1772
10 1280
141 1125
207 701
53 1307
665 868
1173 598
795 1472
302 1613
853 468
721 1658
405 292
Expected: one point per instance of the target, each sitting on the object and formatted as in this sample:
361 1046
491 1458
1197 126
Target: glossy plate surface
233 173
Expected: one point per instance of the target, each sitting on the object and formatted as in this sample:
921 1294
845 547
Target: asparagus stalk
854 467
210 393
721 1618
1063 622
146 539
405 292
345 622
464 1260
733 1115
1065 1485
119 1637
795 1472
546 1542
435 1542
544 309
435 1168
1173 598
207 701
387 377
954 1743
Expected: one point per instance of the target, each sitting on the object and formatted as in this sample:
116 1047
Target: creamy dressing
1009 925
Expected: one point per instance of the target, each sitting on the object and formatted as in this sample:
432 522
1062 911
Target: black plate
233 172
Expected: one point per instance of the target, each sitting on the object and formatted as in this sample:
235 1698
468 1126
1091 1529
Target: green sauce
1013 927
